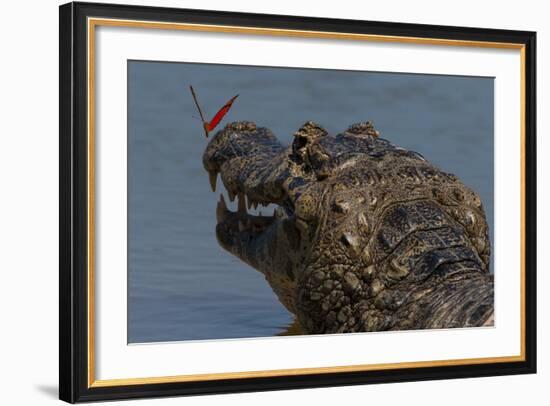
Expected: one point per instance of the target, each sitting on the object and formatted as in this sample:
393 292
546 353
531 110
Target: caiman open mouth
240 222
247 234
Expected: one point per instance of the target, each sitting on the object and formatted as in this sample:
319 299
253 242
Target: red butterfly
210 125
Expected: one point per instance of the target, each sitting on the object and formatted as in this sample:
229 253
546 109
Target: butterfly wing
220 114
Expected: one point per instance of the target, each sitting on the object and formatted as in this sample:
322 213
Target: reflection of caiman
367 236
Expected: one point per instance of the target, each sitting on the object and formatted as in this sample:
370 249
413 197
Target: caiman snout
250 161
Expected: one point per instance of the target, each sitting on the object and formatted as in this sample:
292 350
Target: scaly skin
367 236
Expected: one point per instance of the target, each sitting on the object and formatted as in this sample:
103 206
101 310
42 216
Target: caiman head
365 236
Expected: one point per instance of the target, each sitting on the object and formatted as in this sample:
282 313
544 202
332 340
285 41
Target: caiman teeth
213 177
252 203
221 209
242 203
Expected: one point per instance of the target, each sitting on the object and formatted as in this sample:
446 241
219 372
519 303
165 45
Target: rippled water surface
182 285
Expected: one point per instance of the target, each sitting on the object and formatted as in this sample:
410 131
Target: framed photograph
374 214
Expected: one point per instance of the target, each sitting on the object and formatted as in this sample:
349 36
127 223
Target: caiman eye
299 142
306 136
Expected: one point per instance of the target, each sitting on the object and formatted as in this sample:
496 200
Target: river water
181 284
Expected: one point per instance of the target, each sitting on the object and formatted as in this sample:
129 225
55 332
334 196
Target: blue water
181 284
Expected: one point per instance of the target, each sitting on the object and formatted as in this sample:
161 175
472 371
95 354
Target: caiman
366 236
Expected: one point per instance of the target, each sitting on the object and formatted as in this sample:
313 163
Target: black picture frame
73 284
